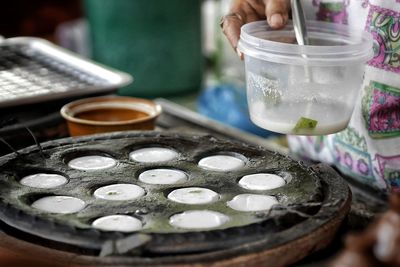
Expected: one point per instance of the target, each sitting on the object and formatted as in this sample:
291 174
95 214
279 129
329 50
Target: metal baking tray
33 70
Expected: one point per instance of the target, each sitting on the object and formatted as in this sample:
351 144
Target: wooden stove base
318 234
15 252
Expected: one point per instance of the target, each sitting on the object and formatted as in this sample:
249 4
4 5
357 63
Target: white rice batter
198 219
153 154
261 181
59 204
193 196
163 176
221 163
92 163
119 223
119 192
252 202
43 180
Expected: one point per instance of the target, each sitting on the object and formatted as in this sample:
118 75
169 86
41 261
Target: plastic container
158 42
307 90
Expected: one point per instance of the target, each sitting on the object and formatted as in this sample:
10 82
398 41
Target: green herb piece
305 124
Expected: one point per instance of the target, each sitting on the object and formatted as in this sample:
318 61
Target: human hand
244 11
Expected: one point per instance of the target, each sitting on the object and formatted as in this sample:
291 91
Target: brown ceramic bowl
110 114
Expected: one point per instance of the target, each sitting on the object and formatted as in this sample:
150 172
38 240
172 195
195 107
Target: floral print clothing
369 149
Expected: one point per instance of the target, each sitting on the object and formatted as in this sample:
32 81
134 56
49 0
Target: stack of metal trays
33 70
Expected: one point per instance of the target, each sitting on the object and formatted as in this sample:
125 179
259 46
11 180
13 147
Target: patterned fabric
381 110
369 149
384 25
351 155
335 11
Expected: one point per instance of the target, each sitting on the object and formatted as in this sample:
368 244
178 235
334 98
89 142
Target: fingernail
276 20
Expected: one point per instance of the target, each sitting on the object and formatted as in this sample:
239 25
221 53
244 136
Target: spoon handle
299 22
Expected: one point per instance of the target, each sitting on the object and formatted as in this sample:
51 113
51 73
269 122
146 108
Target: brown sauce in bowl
111 114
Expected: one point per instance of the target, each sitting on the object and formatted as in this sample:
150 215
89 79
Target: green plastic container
157 41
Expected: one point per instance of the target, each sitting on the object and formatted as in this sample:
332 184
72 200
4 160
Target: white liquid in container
92 163
261 181
193 195
163 176
153 155
252 202
119 223
59 204
119 192
221 163
304 90
331 116
198 219
44 180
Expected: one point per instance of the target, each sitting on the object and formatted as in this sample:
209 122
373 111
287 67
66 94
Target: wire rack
33 70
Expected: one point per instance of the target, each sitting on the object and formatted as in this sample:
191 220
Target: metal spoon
299 23
300 30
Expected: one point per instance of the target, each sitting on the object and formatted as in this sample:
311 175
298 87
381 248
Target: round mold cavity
59 204
92 162
119 192
153 154
43 180
252 202
261 181
198 219
118 223
163 176
223 162
193 196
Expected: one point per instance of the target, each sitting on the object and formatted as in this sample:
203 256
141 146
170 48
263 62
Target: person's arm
244 11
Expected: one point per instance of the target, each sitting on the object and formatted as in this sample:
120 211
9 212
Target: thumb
277 12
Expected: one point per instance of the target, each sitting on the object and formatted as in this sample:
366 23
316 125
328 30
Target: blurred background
173 49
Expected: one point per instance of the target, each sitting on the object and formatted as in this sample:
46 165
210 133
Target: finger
234 21
258 7
277 12
231 25
254 10
241 12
